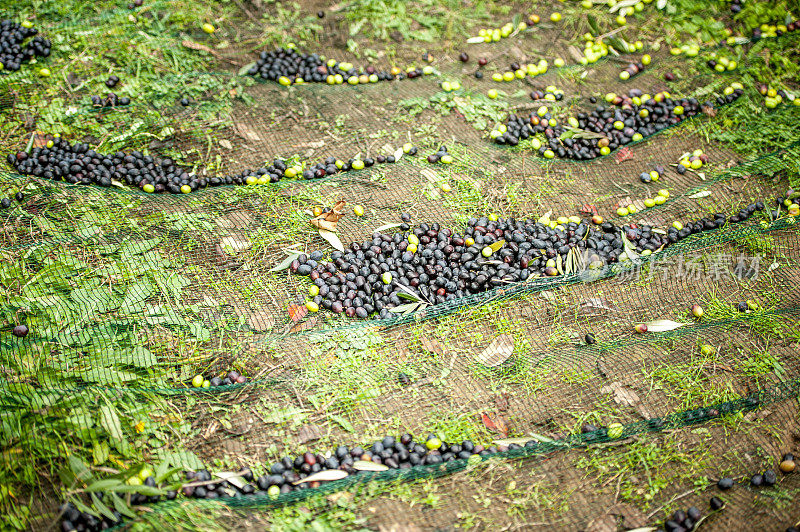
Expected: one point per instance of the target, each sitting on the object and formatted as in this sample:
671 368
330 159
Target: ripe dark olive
590 339
320 14
463 57
716 503
770 477
5 203
20 331
756 480
725 483
184 102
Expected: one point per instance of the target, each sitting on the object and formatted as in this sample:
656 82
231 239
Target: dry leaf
498 351
323 224
595 306
603 523
626 396
297 312
363 465
327 220
305 325
432 346
323 476
261 320
197 46
245 132
495 422
588 208
622 394
624 154
225 143
307 433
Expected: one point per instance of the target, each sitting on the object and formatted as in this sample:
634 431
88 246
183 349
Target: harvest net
584 425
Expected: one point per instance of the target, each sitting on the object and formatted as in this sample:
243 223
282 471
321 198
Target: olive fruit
640 328
463 57
590 339
615 430
697 311
787 466
716 503
725 483
20 331
757 480
769 477
197 381
433 443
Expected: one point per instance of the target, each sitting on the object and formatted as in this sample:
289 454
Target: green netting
128 296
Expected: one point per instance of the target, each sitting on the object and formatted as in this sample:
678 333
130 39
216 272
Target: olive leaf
578 133
407 293
475 40
384 227
233 478
363 465
101 507
701 194
629 250
509 441
325 476
246 68
623 4
592 20
560 264
285 263
332 238
663 325
497 245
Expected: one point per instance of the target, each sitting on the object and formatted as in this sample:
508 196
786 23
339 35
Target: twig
676 498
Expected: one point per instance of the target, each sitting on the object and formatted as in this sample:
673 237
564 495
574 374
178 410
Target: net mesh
128 296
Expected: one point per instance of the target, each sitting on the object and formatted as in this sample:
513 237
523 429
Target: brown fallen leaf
495 422
305 325
603 523
261 320
498 351
623 395
324 224
308 432
432 346
297 312
327 220
245 132
624 154
596 306
199 47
